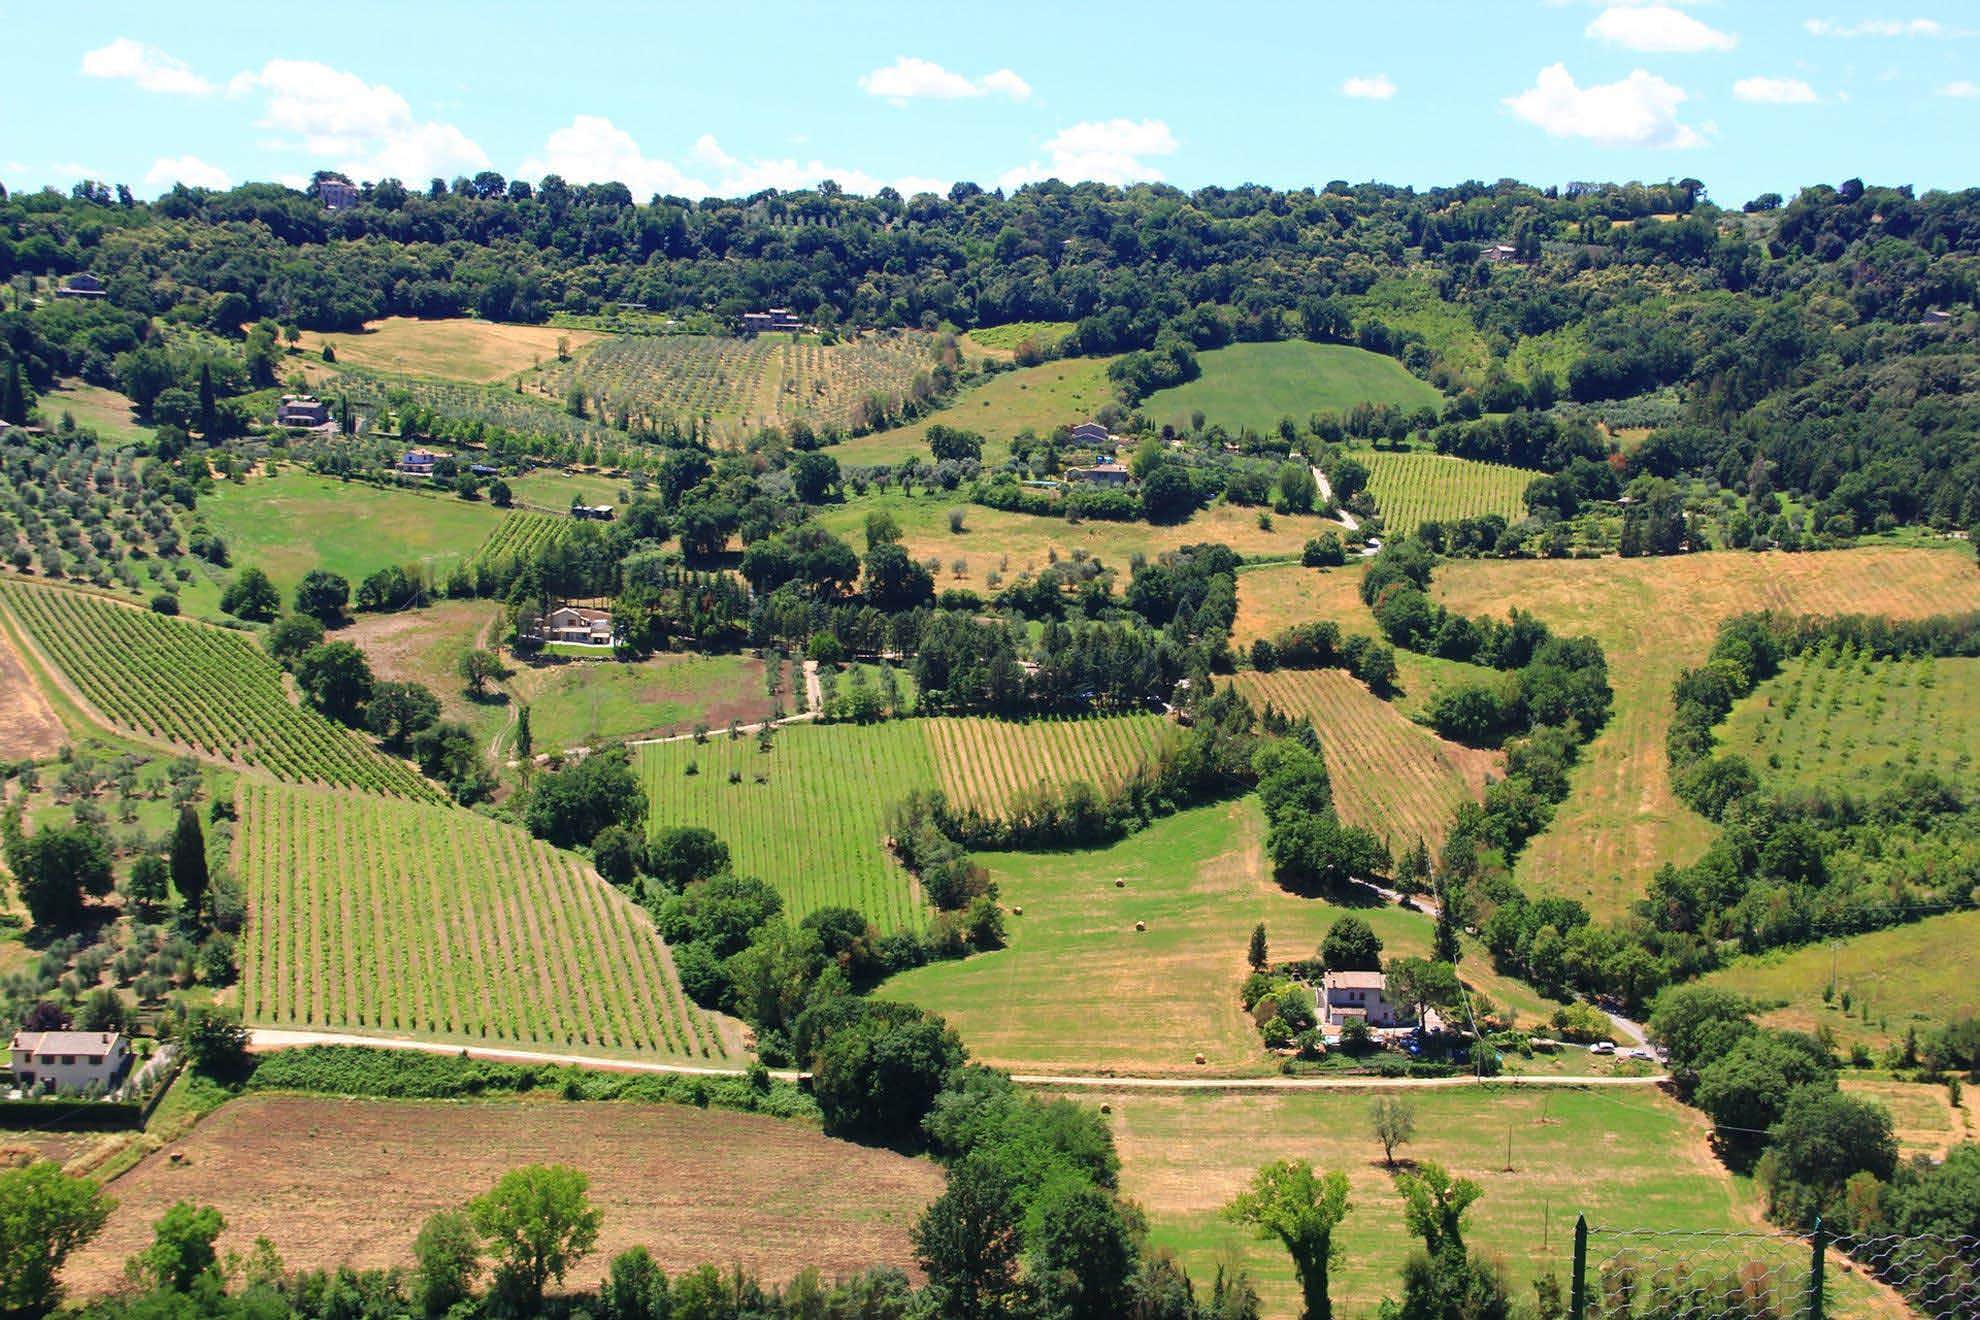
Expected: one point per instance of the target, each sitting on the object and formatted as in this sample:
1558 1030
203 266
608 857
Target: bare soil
28 726
348 1182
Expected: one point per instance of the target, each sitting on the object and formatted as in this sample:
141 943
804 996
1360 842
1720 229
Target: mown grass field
1841 720
583 703
1654 618
399 919
1275 596
1417 487
1622 1156
103 411
204 689
1012 544
1389 775
1052 394
556 490
1079 990
458 348
1919 975
293 521
1254 385
335 1182
29 728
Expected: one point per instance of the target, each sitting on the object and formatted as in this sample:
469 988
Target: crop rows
520 534
1389 775
985 763
372 915
809 815
201 687
1414 488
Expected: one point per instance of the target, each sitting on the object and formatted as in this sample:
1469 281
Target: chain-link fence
1642 1274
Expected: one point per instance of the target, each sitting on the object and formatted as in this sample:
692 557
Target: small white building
573 623
70 1061
1348 995
1091 433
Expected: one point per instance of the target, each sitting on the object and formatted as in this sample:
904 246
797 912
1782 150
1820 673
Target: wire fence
1642 1274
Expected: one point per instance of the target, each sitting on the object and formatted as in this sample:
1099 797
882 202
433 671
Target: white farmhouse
70 1061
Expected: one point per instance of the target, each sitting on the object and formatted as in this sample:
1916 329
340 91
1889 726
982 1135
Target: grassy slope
294 521
1254 385
1080 990
1828 721
1654 617
425 646
462 349
1043 397
104 411
1917 975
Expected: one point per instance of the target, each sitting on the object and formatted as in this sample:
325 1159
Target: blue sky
1748 95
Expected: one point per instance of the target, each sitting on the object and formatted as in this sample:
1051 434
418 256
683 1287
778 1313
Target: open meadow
1389 775
425 646
348 1182
456 348
1922 1113
582 703
1654 618
202 689
1624 1156
372 916
1052 394
110 414
1917 976
1415 487
1253 385
1080 990
1841 720
294 521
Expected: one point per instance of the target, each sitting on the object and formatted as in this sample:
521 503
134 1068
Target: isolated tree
538 1222
336 679
1351 946
323 595
188 854
1083 1255
1394 1119
448 1255
969 1237
525 740
13 396
682 854
1288 1201
477 667
45 1215
1423 984
1297 488
881 529
572 805
58 869
181 1249
1256 954
1444 1279
1434 1204
399 710
635 1287
1446 945
214 1039
251 596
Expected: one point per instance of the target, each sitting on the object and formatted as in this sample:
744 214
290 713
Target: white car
1642 1054
1602 1047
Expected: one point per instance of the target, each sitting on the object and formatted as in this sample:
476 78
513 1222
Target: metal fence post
1815 1262
1578 1287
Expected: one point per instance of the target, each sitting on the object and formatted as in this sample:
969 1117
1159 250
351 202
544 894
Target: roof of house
1356 981
64 1042
1108 467
588 615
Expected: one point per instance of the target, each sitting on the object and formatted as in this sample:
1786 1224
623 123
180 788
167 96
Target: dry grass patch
1921 1114
348 1182
460 349
1275 596
1654 618
29 729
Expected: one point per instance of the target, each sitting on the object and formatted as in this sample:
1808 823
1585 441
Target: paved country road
264 1040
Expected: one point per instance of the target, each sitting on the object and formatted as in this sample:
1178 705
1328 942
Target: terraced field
1414 488
207 689
987 764
1389 775
370 915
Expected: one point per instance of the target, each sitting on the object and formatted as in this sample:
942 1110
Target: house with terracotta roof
70 1061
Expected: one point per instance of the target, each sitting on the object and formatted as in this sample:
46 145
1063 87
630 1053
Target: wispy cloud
1657 29
1964 89
1638 111
1875 27
910 78
1775 91
593 149
147 66
1374 88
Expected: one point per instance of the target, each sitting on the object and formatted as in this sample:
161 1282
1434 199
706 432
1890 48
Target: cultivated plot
1416 487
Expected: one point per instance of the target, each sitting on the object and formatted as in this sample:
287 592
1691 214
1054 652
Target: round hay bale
1017 909
1119 883
1141 925
1106 1109
1201 1059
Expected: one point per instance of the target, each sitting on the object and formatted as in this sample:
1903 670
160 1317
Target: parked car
1602 1047
1646 1055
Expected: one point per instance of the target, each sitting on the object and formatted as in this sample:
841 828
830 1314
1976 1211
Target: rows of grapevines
521 534
201 687
370 915
985 763
1415 487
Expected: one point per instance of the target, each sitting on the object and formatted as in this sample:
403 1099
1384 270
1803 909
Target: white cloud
1377 88
910 78
1875 27
592 149
189 170
1639 111
1775 91
1102 150
1657 29
1965 89
147 66
365 128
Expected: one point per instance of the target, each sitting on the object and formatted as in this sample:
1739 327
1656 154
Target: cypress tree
13 398
189 860
206 413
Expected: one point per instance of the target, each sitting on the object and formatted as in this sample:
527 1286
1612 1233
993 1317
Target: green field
1254 385
376 916
521 533
555 490
1006 338
1080 990
1839 719
1625 1157
1044 397
104 411
292 522
1413 488
586 702
1916 975
202 688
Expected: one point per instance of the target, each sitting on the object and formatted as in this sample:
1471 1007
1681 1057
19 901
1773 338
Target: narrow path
263 1040
1348 520
814 690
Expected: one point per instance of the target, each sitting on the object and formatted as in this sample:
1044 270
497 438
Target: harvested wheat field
1654 618
29 729
459 348
347 1182
1275 596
